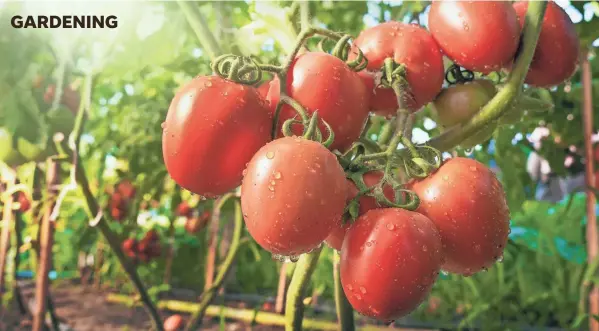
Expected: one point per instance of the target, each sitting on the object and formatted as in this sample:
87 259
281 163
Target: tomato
24 202
412 46
263 88
556 56
292 195
149 246
126 189
390 259
467 204
480 36
458 103
195 224
130 247
173 323
320 81
383 101
212 129
183 209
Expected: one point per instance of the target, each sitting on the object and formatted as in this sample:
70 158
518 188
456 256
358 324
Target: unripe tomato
406 44
467 204
371 178
292 195
390 259
212 129
480 36
558 47
458 103
322 82
173 323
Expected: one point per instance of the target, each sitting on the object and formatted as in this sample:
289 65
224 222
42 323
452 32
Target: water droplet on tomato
163 125
271 188
363 289
294 258
244 172
500 259
270 155
278 175
208 84
390 227
349 287
473 168
424 248
358 297
368 243
444 273
273 183
445 178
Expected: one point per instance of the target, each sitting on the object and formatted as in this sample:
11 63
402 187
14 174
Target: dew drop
390 227
270 155
500 259
349 287
163 125
273 183
358 297
444 273
278 175
424 248
271 188
362 289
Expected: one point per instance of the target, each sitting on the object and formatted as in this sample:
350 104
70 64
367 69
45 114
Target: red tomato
412 46
480 36
335 239
173 323
24 202
263 89
126 188
320 81
556 55
183 209
130 247
292 195
212 129
467 204
390 259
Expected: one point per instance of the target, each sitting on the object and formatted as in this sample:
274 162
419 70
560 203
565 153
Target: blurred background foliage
138 67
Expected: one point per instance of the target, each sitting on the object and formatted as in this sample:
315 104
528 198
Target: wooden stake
45 258
591 231
7 217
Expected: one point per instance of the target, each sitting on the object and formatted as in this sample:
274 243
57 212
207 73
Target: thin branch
200 27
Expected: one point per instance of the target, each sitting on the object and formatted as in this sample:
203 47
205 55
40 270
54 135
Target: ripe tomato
126 189
458 103
412 46
263 89
173 323
383 101
183 209
480 36
467 204
390 259
212 129
292 195
130 247
556 55
24 202
320 81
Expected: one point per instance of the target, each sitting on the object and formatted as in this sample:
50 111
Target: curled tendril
342 49
420 165
311 129
457 75
240 69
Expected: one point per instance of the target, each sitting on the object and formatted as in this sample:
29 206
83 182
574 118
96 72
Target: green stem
386 133
200 27
304 7
294 307
207 297
345 312
115 245
502 101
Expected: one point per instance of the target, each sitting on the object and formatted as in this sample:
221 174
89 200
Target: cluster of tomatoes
193 223
120 199
295 191
144 250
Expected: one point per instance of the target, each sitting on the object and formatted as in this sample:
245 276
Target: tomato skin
173 323
390 260
263 88
129 247
412 46
458 103
480 36
383 101
24 202
320 81
183 209
292 195
371 178
556 56
212 129
467 204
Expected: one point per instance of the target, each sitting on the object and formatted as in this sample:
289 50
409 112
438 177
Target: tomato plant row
297 191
